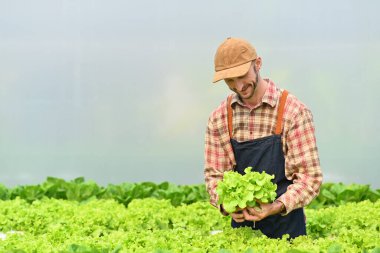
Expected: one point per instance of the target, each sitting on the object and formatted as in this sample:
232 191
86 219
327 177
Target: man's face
245 85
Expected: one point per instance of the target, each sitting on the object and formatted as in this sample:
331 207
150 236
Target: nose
239 84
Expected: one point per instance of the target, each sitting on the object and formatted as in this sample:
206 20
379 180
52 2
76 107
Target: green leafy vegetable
236 190
152 225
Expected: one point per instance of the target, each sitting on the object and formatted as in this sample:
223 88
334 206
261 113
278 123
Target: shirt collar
270 96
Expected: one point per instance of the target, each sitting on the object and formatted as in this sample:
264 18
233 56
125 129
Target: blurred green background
121 91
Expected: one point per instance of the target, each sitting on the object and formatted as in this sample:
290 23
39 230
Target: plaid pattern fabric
299 144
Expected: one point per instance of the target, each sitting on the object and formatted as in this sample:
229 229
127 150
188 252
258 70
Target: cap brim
240 70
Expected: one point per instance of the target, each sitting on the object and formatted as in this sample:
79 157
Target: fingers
237 216
253 214
248 216
249 213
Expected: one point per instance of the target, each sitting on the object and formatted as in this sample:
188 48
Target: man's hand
238 215
265 210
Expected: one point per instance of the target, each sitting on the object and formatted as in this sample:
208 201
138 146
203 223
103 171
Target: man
264 127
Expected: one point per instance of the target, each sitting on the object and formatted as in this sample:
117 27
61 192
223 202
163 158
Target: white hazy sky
121 90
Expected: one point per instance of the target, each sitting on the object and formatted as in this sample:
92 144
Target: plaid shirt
299 144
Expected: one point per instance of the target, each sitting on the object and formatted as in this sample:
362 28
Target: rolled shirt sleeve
217 160
302 164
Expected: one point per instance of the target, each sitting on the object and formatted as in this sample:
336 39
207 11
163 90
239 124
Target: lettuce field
80 216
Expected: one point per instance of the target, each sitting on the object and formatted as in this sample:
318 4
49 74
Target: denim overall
266 154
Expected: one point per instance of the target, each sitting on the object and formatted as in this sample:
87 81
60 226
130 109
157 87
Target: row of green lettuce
152 225
80 190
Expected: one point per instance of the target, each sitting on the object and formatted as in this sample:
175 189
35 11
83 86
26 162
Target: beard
249 89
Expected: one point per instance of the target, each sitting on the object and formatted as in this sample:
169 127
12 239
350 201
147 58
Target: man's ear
258 62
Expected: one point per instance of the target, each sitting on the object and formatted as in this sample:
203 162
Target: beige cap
233 58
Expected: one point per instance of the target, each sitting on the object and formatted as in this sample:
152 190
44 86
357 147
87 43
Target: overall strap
229 115
280 112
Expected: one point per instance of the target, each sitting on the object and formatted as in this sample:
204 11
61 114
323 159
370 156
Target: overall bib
266 154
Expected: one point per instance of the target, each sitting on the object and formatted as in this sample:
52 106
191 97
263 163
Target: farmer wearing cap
267 128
